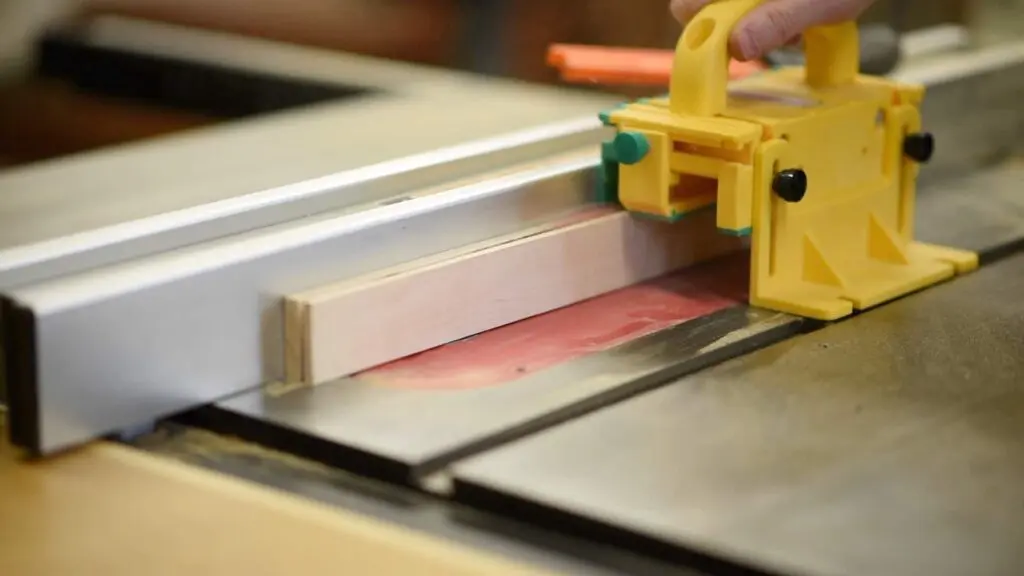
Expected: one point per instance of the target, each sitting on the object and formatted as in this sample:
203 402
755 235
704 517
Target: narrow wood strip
296 362
359 325
296 306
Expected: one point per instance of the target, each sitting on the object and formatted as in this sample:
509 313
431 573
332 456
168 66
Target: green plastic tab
606 115
631 147
739 233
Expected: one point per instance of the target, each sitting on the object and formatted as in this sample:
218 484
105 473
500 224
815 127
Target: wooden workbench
110 509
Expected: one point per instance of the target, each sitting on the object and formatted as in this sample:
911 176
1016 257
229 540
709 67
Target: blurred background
39 120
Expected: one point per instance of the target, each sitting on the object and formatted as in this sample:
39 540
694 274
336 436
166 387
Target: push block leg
801 281
644 172
826 259
735 196
962 261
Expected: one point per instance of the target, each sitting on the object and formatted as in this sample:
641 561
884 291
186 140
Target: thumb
775 23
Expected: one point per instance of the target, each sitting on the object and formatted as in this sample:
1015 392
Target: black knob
790 185
919 147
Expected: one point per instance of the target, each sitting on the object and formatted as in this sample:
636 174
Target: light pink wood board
357 325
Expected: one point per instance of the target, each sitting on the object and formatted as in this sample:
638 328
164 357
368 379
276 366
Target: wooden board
112 510
339 330
406 420
547 341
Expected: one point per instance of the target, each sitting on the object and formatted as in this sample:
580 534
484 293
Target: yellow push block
818 164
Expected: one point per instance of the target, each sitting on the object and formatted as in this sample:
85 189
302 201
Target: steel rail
375 183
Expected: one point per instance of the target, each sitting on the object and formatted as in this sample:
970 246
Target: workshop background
40 120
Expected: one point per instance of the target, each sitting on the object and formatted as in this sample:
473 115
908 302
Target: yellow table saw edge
111 509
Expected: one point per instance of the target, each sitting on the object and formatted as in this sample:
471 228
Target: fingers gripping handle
700 69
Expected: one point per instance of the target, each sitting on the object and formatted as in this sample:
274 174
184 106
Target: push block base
877 283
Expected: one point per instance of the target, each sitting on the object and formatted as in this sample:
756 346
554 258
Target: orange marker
624 66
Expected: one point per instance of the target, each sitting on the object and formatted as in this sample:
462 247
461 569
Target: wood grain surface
111 510
359 324
596 326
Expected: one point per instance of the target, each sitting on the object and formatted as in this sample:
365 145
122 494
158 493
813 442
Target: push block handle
700 68
832 55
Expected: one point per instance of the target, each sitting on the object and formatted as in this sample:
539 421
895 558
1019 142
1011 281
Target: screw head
790 185
919 147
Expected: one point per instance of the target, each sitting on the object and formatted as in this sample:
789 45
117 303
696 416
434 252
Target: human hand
776 23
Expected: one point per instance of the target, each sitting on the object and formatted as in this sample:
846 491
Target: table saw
662 428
